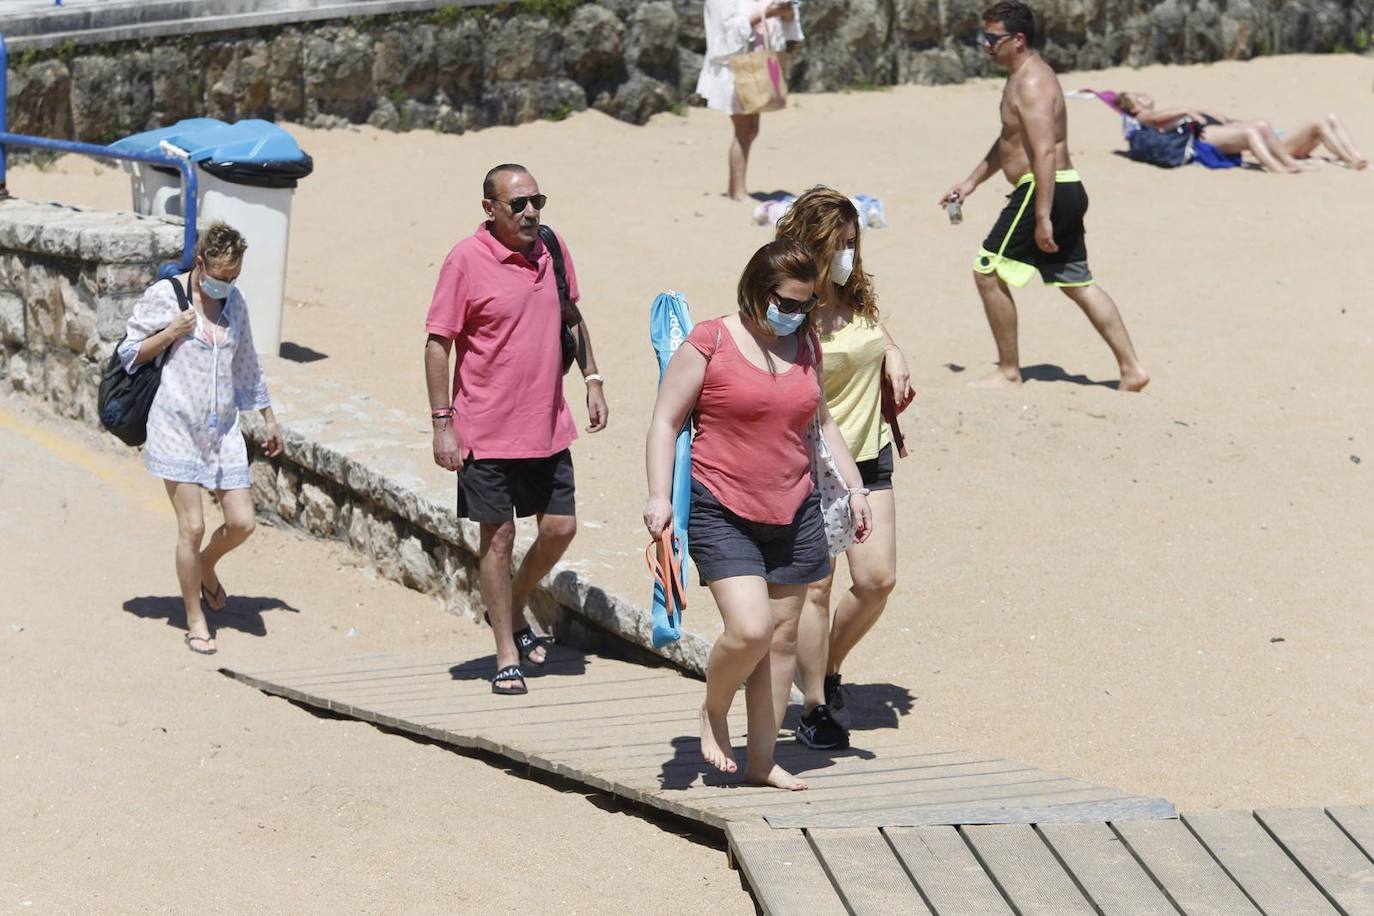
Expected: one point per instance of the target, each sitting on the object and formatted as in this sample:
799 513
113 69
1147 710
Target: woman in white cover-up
210 372
734 27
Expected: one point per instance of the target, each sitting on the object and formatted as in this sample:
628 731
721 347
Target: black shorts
877 472
723 545
1010 248
492 489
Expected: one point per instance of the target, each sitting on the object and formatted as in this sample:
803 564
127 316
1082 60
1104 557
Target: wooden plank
782 870
1045 791
1358 824
866 872
1184 868
1025 870
1256 863
946 871
1105 869
1068 809
1329 859
905 790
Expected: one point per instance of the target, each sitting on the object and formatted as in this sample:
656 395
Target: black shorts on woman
724 545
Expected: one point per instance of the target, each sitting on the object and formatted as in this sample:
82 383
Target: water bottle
956 212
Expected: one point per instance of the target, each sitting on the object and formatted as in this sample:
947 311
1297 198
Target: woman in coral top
755 533
858 355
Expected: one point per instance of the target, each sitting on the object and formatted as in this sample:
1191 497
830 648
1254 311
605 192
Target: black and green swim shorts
1010 248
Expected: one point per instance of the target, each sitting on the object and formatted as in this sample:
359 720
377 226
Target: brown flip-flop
210 597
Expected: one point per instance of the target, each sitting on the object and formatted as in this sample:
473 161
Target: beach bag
125 399
759 81
1165 148
570 343
841 527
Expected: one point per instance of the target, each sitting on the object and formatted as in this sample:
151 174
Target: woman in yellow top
857 354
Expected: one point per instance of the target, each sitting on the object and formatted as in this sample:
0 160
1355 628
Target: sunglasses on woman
518 204
792 306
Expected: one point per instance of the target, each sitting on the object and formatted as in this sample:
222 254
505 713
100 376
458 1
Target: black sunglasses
993 39
518 204
792 306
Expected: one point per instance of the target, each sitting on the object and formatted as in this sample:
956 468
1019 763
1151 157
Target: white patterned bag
841 527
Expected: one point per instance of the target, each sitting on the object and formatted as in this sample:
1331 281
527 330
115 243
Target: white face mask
842 266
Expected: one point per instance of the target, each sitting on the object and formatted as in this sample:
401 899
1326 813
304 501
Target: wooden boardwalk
889 825
1220 863
632 732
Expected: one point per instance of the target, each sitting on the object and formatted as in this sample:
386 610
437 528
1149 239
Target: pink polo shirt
502 313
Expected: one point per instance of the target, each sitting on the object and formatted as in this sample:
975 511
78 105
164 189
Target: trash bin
245 175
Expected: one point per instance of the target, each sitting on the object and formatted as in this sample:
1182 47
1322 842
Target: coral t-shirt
750 448
502 312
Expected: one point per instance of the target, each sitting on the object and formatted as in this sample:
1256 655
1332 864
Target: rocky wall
463 68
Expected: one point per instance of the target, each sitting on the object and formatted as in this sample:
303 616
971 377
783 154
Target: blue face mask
216 289
784 323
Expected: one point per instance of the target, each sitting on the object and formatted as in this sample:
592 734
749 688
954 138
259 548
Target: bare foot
998 378
778 778
715 735
1134 380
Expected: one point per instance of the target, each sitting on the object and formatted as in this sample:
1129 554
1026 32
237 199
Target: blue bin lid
252 152
212 140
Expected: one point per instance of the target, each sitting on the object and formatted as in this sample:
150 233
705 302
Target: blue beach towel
669 324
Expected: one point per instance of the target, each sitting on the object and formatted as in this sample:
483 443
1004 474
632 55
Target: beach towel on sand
669 324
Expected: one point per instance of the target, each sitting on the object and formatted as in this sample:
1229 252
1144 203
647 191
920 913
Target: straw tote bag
759 82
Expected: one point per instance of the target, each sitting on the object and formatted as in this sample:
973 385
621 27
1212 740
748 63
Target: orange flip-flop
665 562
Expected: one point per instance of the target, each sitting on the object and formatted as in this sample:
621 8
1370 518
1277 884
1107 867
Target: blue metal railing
188 171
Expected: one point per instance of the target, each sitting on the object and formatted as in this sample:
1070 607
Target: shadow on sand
1047 372
242 612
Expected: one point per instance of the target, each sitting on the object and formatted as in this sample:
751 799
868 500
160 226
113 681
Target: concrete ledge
350 471
81 27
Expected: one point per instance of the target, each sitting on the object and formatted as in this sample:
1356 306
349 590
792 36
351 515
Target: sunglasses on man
792 306
518 204
993 39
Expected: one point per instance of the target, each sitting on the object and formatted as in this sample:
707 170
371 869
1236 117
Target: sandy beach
1169 592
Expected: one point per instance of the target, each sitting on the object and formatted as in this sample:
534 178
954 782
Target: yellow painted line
79 456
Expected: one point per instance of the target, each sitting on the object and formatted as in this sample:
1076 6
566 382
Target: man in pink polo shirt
507 428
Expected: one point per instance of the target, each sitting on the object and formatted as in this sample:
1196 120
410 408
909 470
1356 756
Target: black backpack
572 317
125 400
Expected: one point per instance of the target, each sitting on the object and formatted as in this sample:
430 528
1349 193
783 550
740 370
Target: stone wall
462 68
69 279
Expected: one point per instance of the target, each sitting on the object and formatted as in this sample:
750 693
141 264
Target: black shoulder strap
181 293
571 315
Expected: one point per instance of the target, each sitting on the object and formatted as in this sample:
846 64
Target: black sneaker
835 699
818 729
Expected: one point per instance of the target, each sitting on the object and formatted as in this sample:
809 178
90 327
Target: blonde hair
818 220
221 245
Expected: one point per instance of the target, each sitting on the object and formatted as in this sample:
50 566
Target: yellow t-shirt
852 375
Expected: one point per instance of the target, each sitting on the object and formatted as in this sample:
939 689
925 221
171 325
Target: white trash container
251 194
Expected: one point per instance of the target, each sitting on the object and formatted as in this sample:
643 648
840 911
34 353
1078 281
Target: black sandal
210 598
510 673
526 641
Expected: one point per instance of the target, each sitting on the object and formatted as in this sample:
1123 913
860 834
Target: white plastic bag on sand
770 211
871 212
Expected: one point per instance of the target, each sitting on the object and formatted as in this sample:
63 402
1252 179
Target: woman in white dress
210 372
734 27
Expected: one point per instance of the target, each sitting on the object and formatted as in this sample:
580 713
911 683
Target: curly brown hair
221 245
818 220
780 259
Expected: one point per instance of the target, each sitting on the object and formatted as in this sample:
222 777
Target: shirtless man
1033 154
